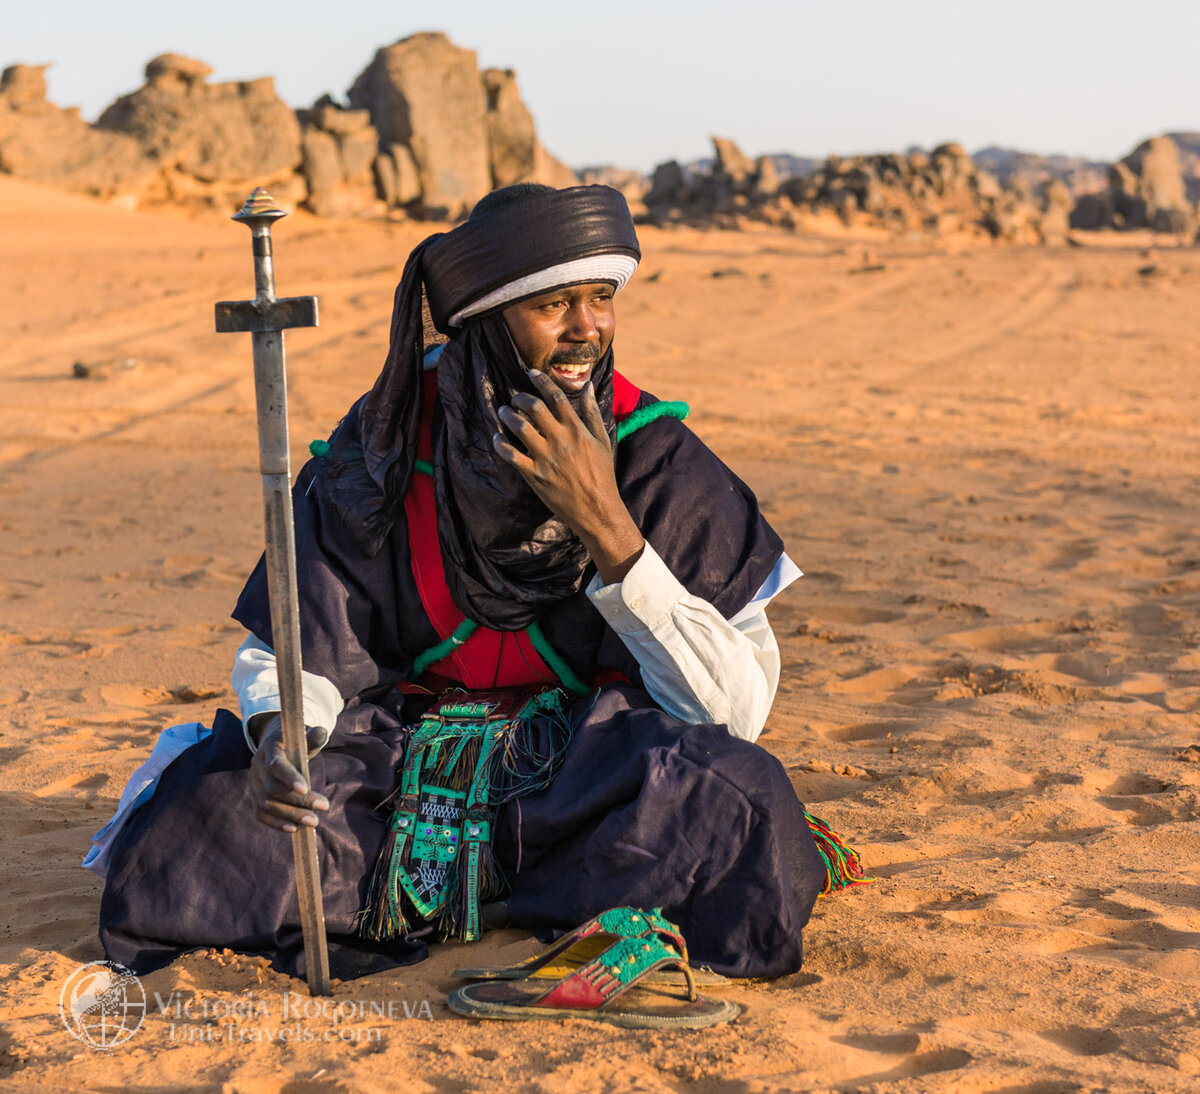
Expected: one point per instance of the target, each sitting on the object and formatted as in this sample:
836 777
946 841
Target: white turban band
616 268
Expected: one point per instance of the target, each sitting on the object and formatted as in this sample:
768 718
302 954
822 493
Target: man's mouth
573 371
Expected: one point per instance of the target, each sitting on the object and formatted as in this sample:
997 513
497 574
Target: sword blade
270 387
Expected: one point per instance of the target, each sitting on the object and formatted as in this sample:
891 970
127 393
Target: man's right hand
282 798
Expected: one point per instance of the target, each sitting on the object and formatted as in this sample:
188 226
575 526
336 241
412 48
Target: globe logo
102 1004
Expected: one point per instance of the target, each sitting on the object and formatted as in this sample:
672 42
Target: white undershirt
695 664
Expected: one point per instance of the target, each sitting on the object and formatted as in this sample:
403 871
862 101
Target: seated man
504 511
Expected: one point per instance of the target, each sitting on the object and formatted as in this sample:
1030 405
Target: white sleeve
695 664
255 680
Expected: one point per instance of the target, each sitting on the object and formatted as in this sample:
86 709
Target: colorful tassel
843 867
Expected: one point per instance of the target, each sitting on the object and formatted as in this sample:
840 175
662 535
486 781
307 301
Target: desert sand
986 462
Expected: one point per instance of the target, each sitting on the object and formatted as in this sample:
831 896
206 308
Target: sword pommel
260 209
265 312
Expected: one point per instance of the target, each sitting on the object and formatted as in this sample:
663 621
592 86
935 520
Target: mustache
583 353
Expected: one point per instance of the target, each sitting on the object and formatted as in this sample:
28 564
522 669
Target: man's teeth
573 370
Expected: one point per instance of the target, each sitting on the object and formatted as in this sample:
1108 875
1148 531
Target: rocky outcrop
942 193
512 141
461 131
339 150
426 94
208 140
45 144
427 133
1146 189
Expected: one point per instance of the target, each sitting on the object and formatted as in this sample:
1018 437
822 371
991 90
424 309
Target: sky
634 82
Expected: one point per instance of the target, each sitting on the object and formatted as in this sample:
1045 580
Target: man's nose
581 324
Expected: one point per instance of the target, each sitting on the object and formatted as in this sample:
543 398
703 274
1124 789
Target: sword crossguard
265 312
260 315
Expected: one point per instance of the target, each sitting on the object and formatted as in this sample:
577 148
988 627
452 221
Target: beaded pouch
470 752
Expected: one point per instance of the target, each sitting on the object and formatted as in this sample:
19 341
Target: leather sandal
585 943
609 988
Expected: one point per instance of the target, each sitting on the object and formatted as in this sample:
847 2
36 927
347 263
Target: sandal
582 945
605 989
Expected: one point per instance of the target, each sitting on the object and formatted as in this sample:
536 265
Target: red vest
487 659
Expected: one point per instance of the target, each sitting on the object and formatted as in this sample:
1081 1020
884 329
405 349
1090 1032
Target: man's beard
585 353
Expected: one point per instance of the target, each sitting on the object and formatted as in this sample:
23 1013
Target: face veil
506 557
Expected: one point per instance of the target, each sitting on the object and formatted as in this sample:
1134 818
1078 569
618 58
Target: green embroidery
436 864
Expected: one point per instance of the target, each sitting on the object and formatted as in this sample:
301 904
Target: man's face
564 332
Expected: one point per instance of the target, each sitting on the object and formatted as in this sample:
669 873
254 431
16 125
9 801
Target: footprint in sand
1082 1041
913 1056
88 783
126 695
869 731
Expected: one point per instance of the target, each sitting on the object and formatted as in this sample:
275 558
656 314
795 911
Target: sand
986 462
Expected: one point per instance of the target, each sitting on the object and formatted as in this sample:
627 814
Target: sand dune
986 463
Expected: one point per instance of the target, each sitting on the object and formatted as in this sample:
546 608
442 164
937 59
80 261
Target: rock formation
208 140
426 133
941 193
464 132
45 144
1146 189
426 93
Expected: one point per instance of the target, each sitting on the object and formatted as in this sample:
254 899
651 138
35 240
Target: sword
266 317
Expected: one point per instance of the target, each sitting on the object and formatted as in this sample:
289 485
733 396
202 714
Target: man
474 523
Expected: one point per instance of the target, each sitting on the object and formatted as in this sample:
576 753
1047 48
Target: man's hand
568 463
281 796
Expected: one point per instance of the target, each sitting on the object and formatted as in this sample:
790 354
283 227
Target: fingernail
320 803
289 828
300 786
310 820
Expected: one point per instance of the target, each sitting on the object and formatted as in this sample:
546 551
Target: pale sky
634 83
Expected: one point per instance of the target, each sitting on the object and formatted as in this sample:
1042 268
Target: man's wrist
614 555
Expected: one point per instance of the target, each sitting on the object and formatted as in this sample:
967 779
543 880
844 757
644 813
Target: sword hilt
266 311
258 214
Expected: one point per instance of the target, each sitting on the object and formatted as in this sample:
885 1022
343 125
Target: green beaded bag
469 752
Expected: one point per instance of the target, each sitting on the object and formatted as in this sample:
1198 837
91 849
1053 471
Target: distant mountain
1011 165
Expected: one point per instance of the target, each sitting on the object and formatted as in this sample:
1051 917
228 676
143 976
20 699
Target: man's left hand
568 463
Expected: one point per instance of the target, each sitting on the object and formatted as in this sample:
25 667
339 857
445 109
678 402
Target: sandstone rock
345 201
551 171
512 141
1146 189
667 185
426 93
408 178
1156 165
1093 212
385 178
54 147
357 151
23 85
1056 211
766 176
321 164
731 160
333 119
227 133
173 69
